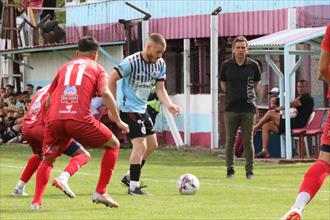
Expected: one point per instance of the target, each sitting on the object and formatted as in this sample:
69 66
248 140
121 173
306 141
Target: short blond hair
157 38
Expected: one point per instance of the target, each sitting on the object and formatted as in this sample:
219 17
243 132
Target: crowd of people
13 106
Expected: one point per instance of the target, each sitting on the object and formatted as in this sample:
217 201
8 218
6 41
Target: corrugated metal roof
112 11
281 38
229 24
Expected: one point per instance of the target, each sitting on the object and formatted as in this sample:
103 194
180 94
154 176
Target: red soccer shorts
34 136
326 132
59 132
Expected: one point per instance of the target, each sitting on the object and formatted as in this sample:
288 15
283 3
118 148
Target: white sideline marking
56 170
229 184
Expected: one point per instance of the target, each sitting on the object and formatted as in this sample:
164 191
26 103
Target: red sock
30 168
315 177
76 162
108 164
43 175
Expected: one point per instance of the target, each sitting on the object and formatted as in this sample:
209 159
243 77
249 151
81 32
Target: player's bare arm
163 97
294 104
114 77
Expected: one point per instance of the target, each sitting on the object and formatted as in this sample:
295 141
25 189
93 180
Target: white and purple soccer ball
187 184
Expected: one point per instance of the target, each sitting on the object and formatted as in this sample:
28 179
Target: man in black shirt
274 122
239 78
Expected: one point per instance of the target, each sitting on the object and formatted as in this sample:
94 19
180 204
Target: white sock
20 185
64 176
127 174
302 200
133 185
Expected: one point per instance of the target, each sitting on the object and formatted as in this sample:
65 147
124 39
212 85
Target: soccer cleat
249 175
63 186
35 207
138 191
18 192
293 214
230 172
125 180
104 199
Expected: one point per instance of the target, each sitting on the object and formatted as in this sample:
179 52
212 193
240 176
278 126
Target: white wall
46 64
199 104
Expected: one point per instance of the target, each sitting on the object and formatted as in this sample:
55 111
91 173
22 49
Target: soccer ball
187 184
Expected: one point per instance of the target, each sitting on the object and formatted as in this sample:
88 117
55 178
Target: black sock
135 171
142 163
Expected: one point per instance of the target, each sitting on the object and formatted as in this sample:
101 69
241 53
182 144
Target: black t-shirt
240 79
304 111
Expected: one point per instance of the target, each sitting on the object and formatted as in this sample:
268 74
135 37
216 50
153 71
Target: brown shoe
262 154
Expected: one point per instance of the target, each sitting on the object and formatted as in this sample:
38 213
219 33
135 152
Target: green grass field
268 196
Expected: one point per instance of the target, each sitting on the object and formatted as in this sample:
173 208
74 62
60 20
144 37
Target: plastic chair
315 130
300 134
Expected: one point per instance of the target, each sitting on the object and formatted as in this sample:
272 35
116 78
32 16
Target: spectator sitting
274 100
23 101
10 103
38 87
263 85
9 90
29 89
2 94
10 120
273 121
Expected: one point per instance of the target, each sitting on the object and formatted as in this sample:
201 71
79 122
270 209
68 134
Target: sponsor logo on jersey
70 95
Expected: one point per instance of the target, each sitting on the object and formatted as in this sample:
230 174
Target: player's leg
79 158
30 168
34 137
314 177
140 126
232 122
96 134
246 125
267 128
271 115
108 164
55 141
138 150
152 144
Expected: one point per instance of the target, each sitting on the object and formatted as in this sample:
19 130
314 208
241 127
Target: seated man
274 122
274 99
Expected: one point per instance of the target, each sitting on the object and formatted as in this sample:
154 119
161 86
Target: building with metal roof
190 19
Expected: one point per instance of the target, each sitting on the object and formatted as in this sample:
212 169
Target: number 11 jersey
75 84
